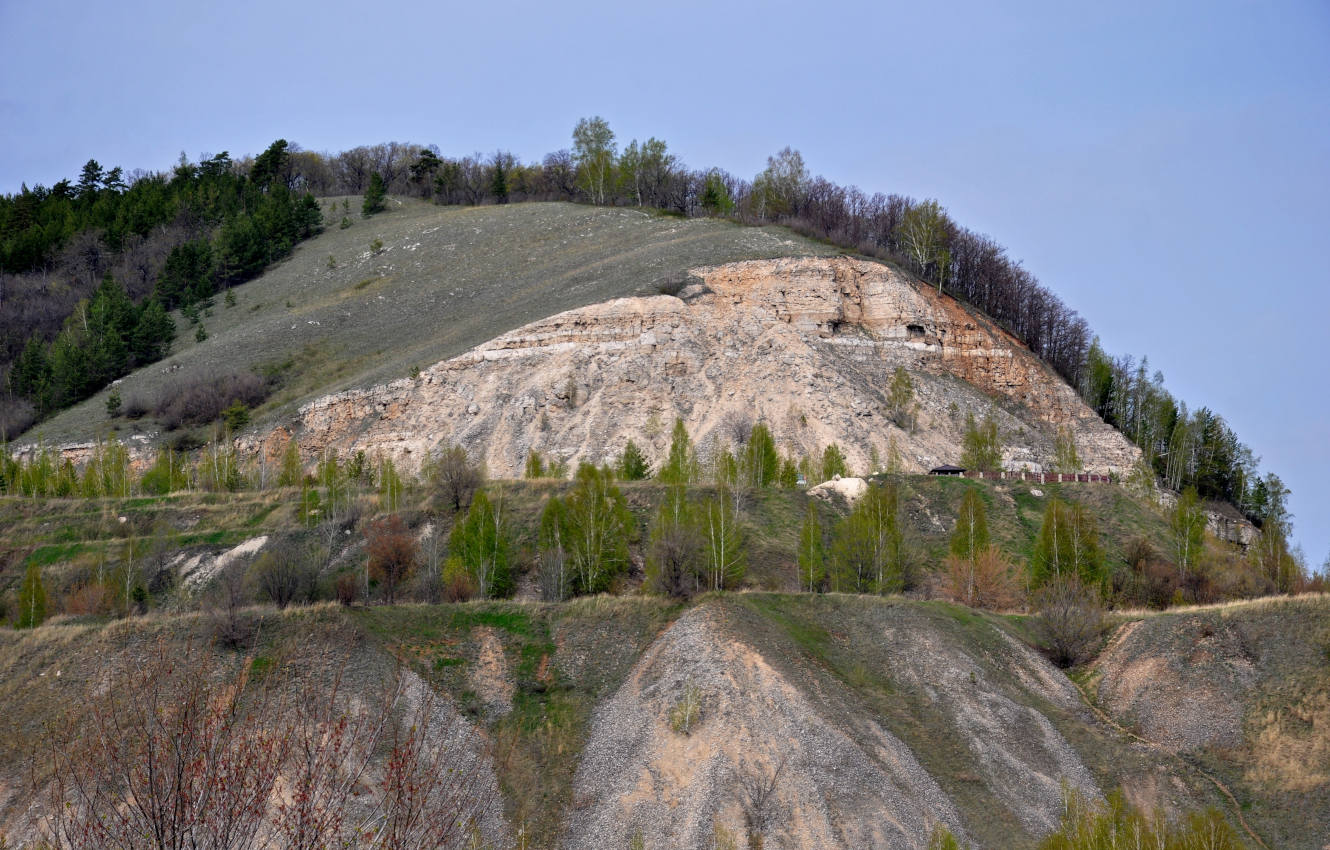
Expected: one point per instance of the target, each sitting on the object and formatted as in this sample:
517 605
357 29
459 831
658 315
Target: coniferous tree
633 464
375 195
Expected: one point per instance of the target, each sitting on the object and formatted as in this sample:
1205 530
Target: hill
336 314
833 721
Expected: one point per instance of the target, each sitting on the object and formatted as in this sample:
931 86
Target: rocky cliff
808 346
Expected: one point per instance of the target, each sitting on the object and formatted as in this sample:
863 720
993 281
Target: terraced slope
447 279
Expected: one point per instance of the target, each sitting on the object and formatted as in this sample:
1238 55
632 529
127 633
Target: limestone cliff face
806 345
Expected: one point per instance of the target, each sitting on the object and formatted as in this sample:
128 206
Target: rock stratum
807 345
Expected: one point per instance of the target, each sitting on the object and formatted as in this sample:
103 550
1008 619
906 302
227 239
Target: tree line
76 229
697 537
89 271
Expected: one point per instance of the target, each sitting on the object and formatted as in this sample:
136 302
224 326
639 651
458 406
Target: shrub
16 416
455 477
688 710
1068 620
236 416
136 407
989 580
1087 825
676 551
392 554
89 599
347 589
284 573
204 398
458 585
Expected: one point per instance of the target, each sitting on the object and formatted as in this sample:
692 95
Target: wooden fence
1042 477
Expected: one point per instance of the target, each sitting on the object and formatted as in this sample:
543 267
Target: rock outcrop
807 345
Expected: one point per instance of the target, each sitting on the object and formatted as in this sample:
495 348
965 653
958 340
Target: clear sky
1163 166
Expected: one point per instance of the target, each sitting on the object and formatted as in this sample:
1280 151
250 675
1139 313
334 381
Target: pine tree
31 599
375 195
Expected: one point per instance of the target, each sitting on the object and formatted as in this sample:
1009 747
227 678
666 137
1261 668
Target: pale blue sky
1164 167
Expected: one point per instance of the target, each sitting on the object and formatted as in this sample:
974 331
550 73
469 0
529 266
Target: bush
1069 621
455 478
16 416
458 585
203 399
687 711
136 407
347 589
988 581
284 573
393 553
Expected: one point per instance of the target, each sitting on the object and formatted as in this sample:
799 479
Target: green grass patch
45 556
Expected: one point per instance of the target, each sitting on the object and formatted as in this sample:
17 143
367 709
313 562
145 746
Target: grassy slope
447 279
1280 773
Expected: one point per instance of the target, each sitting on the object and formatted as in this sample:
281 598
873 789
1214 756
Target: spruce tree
633 464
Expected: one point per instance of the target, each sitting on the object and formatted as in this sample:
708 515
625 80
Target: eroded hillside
828 721
808 345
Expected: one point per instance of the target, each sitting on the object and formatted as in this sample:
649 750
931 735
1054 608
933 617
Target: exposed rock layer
807 345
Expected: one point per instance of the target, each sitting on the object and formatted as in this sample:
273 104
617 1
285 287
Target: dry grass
1292 744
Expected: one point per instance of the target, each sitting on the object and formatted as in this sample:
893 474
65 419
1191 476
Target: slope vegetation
336 314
